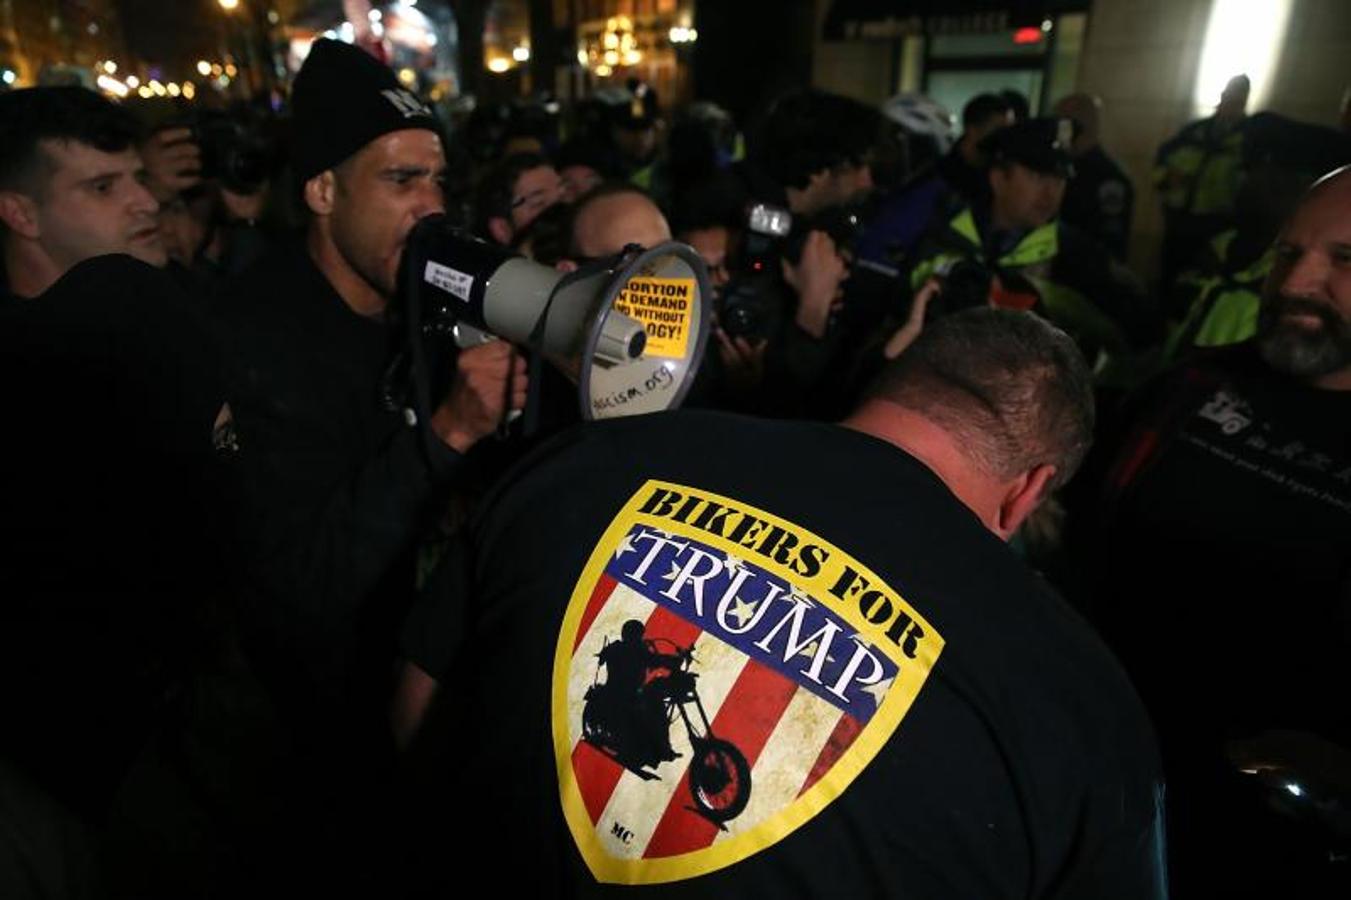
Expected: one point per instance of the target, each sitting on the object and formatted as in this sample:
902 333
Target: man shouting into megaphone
338 480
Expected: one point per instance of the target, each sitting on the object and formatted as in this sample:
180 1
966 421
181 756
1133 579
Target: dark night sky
175 34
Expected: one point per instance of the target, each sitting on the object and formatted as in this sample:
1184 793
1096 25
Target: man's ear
1021 496
19 212
500 230
565 265
319 192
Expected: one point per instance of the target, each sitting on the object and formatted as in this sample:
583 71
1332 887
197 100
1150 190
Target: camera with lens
236 150
745 308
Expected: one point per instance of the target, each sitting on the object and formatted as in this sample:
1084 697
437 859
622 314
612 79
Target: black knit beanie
343 99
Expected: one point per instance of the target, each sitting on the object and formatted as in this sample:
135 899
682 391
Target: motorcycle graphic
628 717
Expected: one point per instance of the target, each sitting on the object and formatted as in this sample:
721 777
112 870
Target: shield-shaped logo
721 676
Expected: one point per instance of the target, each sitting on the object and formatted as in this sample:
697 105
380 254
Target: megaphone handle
510 415
530 418
535 367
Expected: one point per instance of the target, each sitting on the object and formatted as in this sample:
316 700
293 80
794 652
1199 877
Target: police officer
632 129
1027 257
1197 173
1099 199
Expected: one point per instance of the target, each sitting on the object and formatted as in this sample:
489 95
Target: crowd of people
265 627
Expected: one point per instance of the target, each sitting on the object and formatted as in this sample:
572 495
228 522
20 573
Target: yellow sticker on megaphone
665 307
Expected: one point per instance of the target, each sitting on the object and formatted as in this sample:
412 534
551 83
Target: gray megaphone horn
630 330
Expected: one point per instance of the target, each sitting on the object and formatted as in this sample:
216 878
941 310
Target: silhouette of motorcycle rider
639 680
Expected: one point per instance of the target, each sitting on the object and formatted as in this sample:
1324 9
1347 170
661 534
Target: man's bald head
1234 99
1085 110
1304 328
611 217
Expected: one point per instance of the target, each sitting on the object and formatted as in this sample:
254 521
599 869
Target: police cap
1041 144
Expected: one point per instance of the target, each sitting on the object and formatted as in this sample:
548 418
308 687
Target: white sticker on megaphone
665 307
452 281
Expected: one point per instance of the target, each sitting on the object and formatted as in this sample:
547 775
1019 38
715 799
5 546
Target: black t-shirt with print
864 692
1240 527
1224 586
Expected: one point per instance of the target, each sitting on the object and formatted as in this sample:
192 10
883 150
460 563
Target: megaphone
629 330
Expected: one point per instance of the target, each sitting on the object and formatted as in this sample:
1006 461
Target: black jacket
338 485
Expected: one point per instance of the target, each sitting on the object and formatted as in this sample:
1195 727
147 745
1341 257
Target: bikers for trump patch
722 675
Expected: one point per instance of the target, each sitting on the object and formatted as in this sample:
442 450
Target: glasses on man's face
575 186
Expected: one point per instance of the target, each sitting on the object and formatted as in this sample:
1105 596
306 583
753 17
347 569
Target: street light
229 5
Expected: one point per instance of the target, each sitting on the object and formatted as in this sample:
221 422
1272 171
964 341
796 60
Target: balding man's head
1011 388
1084 110
612 217
1304 328
998 404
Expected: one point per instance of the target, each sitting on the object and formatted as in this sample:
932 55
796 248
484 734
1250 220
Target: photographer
810 156
212 175
710 218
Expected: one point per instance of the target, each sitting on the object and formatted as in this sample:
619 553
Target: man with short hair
513 195
813 153
72 186
964 166
867 678
113 570
1225 557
